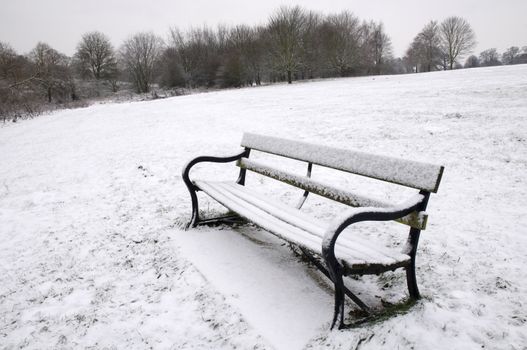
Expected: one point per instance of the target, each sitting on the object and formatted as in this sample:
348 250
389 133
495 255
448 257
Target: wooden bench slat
296 227
413 174
291 215
352 250
368 250
416 220
262 218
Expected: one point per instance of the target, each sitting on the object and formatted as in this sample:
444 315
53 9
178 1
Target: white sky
61 23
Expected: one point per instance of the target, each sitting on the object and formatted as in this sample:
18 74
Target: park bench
335 257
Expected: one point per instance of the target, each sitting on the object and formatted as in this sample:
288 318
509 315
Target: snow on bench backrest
408 173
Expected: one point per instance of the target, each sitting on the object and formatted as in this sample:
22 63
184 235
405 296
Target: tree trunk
289 77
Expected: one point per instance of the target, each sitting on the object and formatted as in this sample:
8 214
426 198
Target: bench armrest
367 214
210 159
335 269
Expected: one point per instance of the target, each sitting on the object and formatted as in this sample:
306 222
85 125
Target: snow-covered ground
93 255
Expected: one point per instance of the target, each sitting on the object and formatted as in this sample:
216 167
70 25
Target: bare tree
51 70
285 28
376 47
96 56
490 57
7 78
7 60
243 57
187 55
21 86
253 53
171 74
471 62
199 53
510 56
427 45
412 57
139 55
235 68
522 57
341 41
311 50
457 38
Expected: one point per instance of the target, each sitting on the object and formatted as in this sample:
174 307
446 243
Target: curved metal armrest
417 202
211 159
368 214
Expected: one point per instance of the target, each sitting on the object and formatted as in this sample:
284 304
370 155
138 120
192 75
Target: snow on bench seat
404 172
295 226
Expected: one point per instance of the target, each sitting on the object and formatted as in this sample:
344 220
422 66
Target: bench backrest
422 176
419 175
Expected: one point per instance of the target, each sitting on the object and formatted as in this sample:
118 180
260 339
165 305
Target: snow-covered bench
335 257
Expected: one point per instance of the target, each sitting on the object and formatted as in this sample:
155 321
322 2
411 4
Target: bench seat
355 254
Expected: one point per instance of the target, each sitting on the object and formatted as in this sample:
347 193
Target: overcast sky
61 23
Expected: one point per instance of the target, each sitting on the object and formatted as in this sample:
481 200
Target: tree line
439 46
294 44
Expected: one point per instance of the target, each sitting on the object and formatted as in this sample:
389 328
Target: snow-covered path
92 254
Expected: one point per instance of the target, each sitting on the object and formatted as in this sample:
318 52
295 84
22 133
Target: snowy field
93 255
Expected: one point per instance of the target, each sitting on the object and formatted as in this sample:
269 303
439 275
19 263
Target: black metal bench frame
408 213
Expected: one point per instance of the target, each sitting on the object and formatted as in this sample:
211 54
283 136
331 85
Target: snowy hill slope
92 254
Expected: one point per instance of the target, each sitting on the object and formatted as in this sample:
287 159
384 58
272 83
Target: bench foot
227 219
326 273
339 300
194 218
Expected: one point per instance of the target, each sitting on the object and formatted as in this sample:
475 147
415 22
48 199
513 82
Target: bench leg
336 277
326 273
335 273
194 219
413 240
412 281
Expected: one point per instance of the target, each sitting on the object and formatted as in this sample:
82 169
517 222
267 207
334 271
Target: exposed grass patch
361 319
